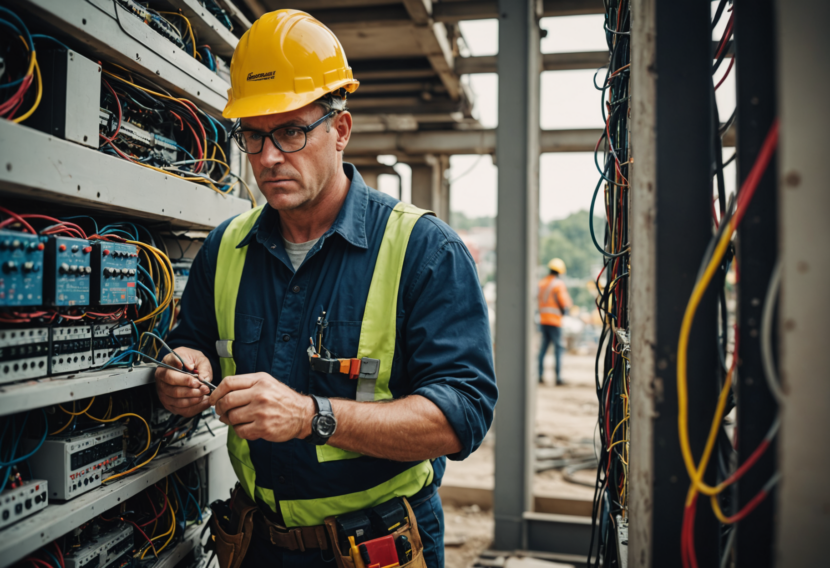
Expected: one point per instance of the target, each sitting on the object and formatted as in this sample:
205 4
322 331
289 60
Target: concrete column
803 510
517 151
430 189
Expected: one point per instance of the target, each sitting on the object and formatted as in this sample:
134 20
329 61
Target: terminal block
21 269
71 349
17 503
109 340
67 272
24 353
114 273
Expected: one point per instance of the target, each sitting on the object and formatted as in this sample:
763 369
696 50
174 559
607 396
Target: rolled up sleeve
449 350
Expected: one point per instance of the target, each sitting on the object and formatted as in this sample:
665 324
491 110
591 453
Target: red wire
37 561
117 104
725 39
19 219
138 528
60 554
17 97
725 75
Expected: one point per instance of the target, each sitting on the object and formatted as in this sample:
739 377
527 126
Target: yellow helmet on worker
288 59
557 265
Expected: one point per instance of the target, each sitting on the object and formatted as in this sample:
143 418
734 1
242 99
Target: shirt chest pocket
341 338
248 330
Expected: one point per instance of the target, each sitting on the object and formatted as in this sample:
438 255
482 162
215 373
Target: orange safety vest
553 298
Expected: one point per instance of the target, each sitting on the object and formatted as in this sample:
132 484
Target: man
335 290
554 302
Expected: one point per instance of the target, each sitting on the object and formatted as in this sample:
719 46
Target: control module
21 269
75 463
114 273
67 272
17 503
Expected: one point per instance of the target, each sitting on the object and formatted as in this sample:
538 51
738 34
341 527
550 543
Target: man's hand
259 406
179 393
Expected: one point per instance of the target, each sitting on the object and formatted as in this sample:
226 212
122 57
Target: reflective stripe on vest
377 340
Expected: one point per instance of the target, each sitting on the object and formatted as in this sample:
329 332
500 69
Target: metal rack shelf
56 520
38 393
114 34
36 165
207 27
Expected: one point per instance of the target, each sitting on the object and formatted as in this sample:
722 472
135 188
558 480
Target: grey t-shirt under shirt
298 251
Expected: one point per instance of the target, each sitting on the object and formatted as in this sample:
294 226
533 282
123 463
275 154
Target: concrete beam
452 142
458 11
430 189
550 62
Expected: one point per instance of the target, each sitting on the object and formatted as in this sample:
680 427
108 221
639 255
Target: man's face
296 180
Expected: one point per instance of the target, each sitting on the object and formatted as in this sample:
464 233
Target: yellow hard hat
287 60
558 265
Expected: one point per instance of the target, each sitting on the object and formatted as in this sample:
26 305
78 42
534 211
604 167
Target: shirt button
295 289
286 337
281 479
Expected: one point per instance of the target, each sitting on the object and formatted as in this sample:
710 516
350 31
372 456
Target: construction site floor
565 418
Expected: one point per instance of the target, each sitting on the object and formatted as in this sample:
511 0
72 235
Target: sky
568 100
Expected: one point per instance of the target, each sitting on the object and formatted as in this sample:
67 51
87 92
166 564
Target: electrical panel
69 107
110 340
21 269
71 349
103 549
68 272
75 463
152 147
24 353
17 503
114 273
181 268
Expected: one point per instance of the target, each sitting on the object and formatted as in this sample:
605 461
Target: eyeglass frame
305 129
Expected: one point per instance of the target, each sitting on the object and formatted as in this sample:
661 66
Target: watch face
325 426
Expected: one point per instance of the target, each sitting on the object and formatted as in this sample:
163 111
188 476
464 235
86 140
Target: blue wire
185 151
179 499
147 274
46 550
83 217
155 300
60 43
19 22
30 454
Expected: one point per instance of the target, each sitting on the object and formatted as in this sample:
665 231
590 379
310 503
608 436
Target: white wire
770 372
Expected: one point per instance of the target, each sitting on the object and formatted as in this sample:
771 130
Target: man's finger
179 392
177 379
181 402
233 400
228 384
247 431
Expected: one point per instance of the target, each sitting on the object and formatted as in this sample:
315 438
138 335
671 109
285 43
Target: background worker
554 302
325 242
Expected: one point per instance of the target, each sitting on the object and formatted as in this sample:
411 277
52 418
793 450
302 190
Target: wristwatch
323 424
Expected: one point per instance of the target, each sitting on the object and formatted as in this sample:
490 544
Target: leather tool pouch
231 528
408 529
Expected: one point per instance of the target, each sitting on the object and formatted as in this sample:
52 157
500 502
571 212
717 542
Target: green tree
460 222
570 240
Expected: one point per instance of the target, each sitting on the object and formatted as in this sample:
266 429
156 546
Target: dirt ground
565 417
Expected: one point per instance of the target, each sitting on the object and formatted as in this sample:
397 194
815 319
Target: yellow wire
618 425
78 413
695 473
172 526
189 29
107 420
64 427
32 65
615 443
170 530
116 476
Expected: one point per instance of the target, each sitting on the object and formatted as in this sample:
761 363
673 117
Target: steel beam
430 189
757 252
802 520
517 142
671 109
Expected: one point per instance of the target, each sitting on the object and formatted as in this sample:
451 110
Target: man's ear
343 127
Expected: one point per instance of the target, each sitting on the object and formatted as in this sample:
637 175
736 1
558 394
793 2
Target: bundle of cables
612 383
155 280
712 262
12 457
17 45
178 127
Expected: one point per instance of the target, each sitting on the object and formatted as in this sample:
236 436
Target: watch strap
324 408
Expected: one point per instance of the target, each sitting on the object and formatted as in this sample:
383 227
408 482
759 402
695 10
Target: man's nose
270 155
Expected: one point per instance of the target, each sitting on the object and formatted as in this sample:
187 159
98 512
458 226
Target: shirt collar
350 223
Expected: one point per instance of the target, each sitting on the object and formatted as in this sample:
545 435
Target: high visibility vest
377 341
552 298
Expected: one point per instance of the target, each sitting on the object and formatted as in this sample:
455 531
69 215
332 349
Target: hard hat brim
275 103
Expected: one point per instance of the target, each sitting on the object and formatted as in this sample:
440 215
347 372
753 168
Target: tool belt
234 523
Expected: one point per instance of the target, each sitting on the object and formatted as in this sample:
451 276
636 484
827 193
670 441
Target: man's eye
253 136
292 132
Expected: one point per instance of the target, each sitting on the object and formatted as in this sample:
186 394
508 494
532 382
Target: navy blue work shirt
442 350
